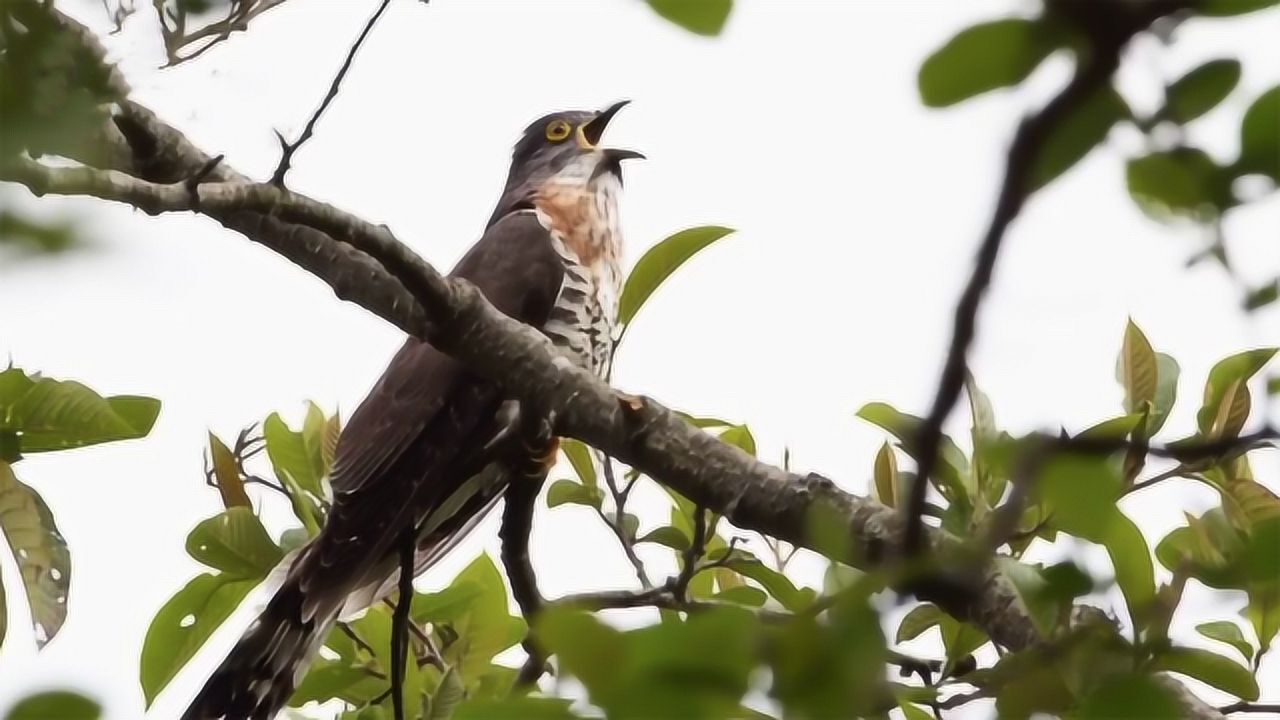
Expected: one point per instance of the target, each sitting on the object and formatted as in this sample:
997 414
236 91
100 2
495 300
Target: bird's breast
582 220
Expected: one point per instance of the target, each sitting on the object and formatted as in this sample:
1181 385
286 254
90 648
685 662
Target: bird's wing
518 271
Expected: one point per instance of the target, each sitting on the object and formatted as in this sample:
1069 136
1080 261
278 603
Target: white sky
858 213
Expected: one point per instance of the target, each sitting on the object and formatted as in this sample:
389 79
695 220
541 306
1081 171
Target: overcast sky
857 211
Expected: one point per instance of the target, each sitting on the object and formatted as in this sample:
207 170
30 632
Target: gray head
554 142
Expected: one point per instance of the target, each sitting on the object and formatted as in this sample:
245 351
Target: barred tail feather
260 673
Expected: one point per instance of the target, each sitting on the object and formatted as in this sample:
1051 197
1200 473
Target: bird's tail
258 676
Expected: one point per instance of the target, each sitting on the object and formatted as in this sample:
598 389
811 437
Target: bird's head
566 141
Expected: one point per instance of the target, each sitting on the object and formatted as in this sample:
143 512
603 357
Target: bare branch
287 149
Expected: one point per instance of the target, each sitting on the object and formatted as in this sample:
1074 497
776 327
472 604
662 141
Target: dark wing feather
517 269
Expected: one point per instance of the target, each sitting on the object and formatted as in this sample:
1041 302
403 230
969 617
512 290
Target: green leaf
183 624
515 708
775 583
740 436
1081 492
1210 668
985 57
485 630
44 563
1200 90
1136 370
1229 633
952 466
4 610
234 542
703 17
446 605
1225 8
914 712
886 476
230 485
1227 377
1179 183
58 704
920 619
657 264
447 696
1260 136
668 535
293 455
1263 295
1077 134
1045 593
1167 372
58 415
1263 613
375 628
1131 558
1133 697
742 595
587 648
564 492
579 456
328 679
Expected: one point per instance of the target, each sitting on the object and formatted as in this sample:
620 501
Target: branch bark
365 264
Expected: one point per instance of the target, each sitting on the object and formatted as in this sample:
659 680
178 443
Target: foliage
54 704
40 414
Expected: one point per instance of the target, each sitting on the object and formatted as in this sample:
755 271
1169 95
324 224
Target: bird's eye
557 130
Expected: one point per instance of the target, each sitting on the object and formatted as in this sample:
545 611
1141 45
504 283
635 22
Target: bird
430 449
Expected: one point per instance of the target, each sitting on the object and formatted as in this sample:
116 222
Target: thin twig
692 553
1248 707
1179 471
287 149
400 623
1108 32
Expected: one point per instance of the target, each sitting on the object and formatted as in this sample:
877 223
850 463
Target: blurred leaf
1234 370
742 595
1262 296
886 476
1077 134
985 57
1210 546
1183 182
515 708
58 704
703 17
57 415
1210 668
1229 633
920 619
564 492
1081 491
1133 697
36 235
234 542
294 455
230 486
1200 90
1046 594
669 536
44 563
1263 613
579 456
703 422
692 668
833 669
914 712
778 586
4 610
1260 136
183 624
1136 370
447 696
1224 8
657 264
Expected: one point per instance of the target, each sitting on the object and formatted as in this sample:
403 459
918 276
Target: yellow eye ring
558 130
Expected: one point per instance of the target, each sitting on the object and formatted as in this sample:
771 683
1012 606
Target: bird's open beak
593 130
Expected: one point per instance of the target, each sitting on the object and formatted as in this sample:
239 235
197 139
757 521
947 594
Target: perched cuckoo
429 451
